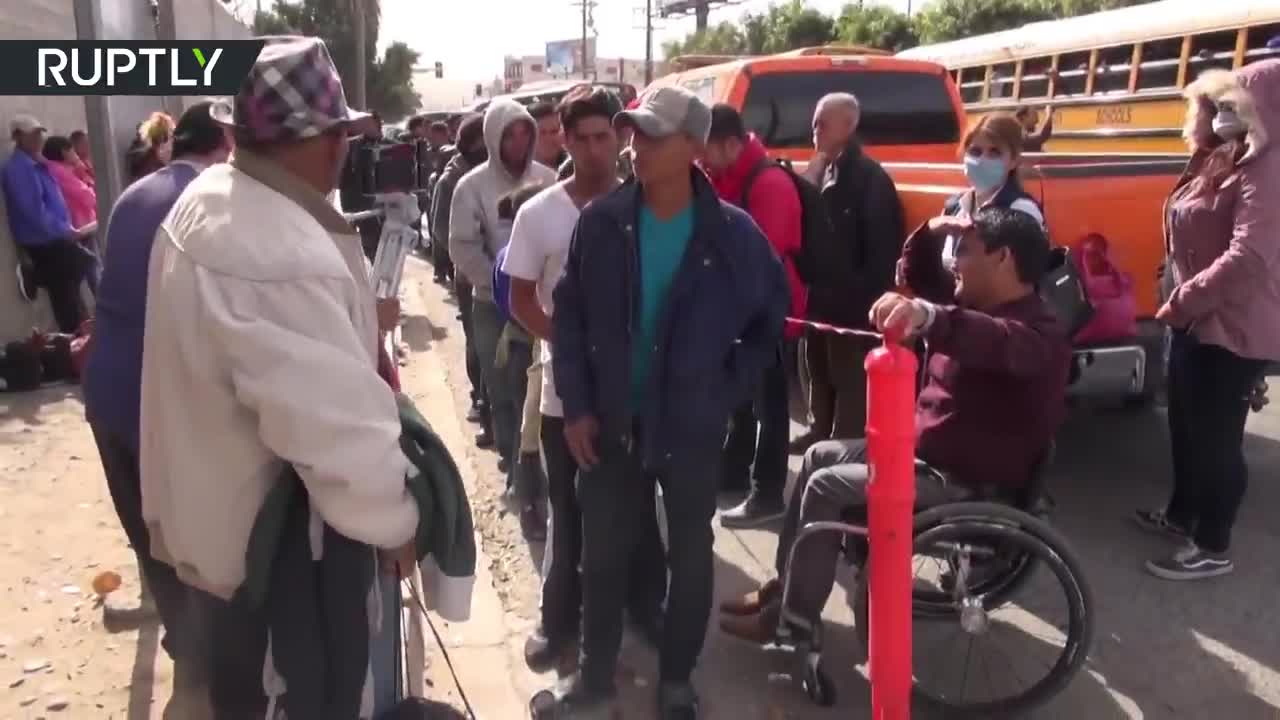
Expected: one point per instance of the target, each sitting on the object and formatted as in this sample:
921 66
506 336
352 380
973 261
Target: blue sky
471 36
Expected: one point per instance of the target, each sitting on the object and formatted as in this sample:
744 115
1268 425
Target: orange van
911 111
913 121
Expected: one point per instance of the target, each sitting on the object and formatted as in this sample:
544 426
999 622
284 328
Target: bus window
1212 50
1159 68
1001 81
1035 78
971 82
1073 74
1263 43
1112 74
897 107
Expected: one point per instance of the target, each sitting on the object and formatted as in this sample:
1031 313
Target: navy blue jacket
718 332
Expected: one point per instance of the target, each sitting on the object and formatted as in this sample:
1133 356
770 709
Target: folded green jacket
445 538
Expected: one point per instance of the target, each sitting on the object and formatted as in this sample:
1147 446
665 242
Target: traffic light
439 70
479 90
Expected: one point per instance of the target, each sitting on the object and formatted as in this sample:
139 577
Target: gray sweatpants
832 486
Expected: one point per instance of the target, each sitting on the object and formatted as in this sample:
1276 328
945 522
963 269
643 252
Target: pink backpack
1110 291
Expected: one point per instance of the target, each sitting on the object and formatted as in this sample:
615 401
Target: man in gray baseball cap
651 357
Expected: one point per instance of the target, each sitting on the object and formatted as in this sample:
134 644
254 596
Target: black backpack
822 260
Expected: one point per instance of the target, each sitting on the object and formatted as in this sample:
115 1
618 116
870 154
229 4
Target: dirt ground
58 655
63 652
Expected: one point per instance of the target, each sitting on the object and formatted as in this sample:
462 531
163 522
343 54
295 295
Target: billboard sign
668 8
567 55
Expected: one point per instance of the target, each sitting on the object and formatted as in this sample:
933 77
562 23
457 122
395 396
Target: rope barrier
834 329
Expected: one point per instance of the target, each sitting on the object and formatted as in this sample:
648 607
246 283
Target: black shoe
533 524
1158 522
753 512
571 699
677 701
484 440
542 653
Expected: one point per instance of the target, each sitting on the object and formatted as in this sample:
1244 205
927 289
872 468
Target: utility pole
586 9
648 42
358 24
588 28
701 13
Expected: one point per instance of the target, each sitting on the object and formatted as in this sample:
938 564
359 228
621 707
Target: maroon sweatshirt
995 383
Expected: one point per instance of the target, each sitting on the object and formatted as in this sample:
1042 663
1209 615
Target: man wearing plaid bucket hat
260 349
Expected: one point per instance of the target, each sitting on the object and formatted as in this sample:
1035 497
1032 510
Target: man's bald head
835 120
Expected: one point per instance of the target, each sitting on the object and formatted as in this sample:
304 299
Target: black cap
197 133
726 122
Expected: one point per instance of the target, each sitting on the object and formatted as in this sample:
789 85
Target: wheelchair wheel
986 623
817 683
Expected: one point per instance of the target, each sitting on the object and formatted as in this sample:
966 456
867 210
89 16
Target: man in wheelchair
993 396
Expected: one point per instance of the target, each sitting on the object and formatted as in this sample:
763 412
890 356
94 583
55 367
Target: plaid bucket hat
292 92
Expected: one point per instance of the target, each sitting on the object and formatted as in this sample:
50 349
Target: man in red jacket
756 447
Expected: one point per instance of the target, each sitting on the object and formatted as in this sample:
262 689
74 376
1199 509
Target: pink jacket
1225 246
82 201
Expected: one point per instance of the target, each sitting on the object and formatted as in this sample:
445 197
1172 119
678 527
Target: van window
898 108
704 88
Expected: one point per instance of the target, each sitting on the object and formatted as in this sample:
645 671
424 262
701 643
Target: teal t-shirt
662 246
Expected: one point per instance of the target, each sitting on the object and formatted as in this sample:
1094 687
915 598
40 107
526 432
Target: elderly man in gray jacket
476 234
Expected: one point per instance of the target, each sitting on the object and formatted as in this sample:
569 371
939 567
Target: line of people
657 300
50 190
50 198
659 309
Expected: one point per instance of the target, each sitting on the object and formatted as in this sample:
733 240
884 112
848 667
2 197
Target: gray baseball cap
666 111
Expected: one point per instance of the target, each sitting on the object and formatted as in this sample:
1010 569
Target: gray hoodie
476 234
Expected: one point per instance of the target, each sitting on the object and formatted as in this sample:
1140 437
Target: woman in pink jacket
1222 284
63 164
80 197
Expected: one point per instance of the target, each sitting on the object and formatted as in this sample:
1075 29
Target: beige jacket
260 348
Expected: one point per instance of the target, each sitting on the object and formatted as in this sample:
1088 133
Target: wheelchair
988 548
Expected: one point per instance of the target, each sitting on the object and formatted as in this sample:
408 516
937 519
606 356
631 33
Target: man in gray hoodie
470 152
476 234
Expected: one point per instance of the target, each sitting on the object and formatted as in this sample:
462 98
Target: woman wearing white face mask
992 149
1221 292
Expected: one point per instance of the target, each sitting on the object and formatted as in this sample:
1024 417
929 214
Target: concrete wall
120 19
39 20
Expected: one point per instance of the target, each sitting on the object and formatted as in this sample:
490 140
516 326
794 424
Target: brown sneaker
758 629
754 601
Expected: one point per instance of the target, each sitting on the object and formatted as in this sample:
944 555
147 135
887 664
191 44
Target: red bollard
891 494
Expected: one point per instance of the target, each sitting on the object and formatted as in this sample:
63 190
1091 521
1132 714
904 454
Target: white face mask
1228 125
